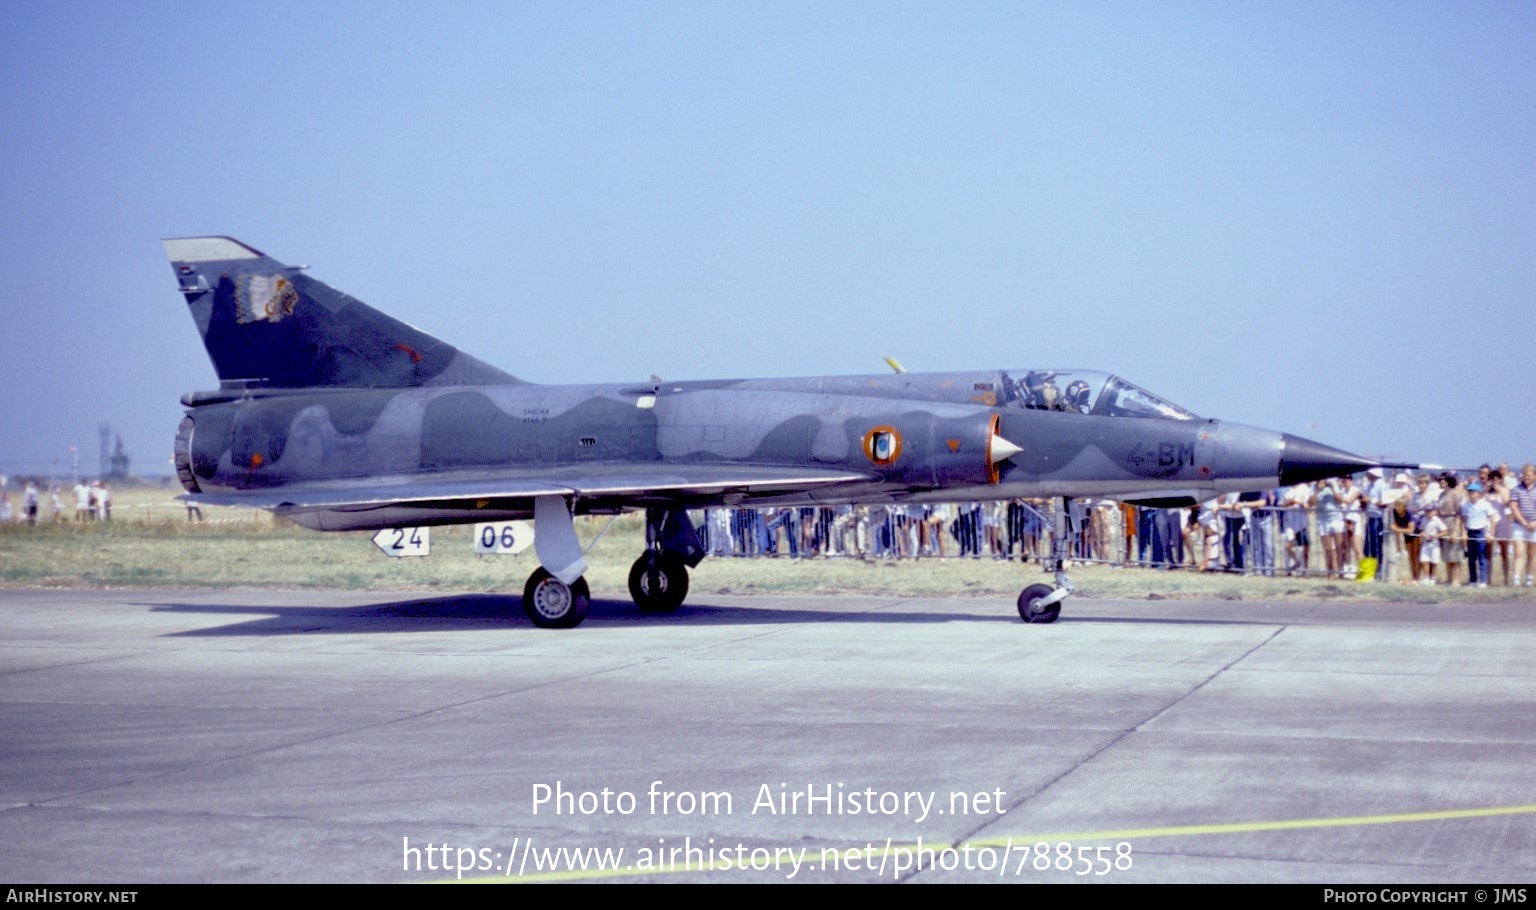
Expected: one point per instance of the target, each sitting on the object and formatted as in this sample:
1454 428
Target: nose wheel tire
1030 609
552 604
658 582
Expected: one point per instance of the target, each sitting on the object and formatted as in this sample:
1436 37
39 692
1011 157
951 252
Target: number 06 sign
503 537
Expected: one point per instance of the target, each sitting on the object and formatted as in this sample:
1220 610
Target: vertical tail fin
269 325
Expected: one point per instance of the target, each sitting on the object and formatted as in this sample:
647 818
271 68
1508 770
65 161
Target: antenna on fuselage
895 365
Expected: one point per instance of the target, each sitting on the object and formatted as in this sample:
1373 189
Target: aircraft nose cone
1303 461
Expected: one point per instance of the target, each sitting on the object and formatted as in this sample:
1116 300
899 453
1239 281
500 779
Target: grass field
150 543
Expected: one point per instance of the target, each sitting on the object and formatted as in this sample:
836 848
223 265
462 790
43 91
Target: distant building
119 469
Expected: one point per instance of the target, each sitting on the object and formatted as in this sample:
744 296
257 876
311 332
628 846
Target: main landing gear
1042 603
553 604
658 581
556 595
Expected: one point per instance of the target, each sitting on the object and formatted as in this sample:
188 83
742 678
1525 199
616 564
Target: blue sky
1317 218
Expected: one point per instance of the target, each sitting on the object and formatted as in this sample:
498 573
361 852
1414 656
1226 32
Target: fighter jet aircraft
334 415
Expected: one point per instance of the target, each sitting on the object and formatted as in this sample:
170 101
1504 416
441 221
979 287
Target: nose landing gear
1041 603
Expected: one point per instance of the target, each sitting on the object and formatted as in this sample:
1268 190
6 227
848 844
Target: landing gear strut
556 595
1042 603
658 581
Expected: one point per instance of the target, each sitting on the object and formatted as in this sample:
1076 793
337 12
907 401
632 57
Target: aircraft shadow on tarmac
478 612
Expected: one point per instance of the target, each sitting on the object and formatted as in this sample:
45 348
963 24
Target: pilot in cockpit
1040 391
1079 397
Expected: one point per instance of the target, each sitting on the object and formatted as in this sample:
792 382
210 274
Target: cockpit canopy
1085 392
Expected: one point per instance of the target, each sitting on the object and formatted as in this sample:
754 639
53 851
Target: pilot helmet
1077 395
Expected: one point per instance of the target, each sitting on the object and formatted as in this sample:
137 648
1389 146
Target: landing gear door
678 536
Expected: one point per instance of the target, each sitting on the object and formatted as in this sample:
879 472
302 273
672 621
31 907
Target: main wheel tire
662 589
552 604
1029 604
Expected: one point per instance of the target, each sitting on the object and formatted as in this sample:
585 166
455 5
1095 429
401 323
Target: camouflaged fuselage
342 417
573 433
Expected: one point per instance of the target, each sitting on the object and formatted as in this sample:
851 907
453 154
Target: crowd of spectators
1404 528
93 502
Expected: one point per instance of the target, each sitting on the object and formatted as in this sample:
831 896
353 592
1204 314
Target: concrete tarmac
255 736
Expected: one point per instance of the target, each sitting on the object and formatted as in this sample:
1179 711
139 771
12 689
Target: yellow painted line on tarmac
869 852
1288 825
